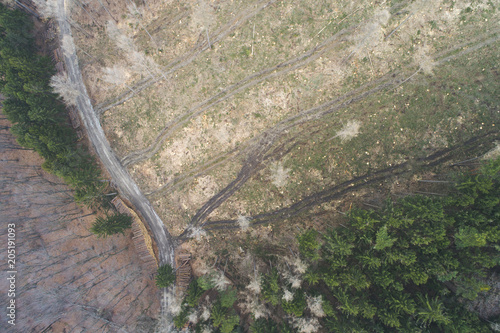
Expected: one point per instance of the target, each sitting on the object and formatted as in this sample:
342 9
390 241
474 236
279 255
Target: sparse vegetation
362 74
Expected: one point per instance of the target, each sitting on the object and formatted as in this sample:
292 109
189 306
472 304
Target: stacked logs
140 246
75 122
138 234
183 272
73 117
58 61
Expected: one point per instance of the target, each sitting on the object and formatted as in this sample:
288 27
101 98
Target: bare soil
68 279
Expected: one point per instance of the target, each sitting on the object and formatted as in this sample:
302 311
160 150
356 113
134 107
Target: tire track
216 161
469 50
186 59
146 153
266 74
471 146
256 153
194 173
462 45
249 168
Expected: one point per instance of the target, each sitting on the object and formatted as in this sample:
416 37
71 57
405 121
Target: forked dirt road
127 187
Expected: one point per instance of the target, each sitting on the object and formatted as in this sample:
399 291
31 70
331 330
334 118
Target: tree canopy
405 267
38 116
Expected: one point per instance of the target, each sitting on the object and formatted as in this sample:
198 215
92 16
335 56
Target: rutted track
186 59
199 170
266 74
259 148
269 73
254 151
471 146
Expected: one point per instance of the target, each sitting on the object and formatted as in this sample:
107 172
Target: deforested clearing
248 122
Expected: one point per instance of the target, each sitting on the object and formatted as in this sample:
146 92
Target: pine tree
297 305
229 322
165 276
383 240
432 311
194 293
271 291
218 314
263 326
308 245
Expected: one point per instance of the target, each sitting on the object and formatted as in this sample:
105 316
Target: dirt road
127 187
